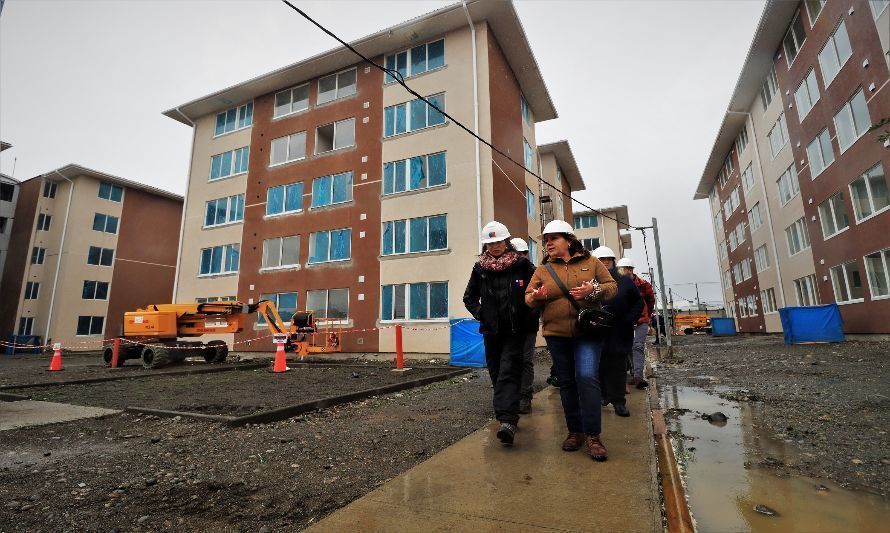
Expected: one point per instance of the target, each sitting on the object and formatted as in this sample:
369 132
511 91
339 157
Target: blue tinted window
99 222
233 255
287 305
400 236
89 290
388 169
94 255
275 200
386 303
435 54
401 121
320 247
438 232
387 247
342 187
418 235
400 175
435 116
341 244
215 167
226 164
418 59
418 114
436 163
438 300
210 215
530 203
220 124
389 123
206 255
321 191
293 197
216 259
116 193
418 175
418 296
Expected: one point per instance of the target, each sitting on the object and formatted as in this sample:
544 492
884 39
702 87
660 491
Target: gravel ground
142 473
828 400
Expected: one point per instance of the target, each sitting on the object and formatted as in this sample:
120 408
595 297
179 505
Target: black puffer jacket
627 306
497 299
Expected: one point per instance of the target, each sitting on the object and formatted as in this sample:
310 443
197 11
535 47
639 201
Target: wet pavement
727 494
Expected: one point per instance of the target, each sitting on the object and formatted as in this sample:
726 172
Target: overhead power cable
397 76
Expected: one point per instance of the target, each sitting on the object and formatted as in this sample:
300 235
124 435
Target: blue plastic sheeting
23 344
723 327
467 348
821 323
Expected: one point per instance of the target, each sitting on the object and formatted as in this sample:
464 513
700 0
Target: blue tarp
821 323
467 348
19 344
722 327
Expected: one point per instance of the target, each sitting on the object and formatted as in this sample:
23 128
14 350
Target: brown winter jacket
558 315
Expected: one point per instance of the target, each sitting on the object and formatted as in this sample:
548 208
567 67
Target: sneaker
573 442
642 384
525 406
554 381
595 448
506 432
621 409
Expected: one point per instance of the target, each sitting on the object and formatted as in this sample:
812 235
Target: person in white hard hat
495 297
528 355
642 327
576 354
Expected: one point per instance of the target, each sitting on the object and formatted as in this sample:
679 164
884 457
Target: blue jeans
577 363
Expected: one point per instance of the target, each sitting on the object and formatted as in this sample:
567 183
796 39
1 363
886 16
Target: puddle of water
723 493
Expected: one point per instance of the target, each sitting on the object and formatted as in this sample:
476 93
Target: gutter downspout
52 298
475 116
185 203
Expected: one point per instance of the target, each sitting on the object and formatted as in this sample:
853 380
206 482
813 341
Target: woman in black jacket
495 296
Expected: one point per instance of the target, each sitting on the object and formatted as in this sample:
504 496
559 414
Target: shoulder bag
591 320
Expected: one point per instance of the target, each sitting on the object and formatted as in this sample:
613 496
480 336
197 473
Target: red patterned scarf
498 264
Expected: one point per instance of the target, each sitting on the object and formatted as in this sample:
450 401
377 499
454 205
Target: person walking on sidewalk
494 296
528 351
642 327
626 307
569 271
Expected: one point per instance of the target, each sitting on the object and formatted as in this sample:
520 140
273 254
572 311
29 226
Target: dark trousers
504 357
577 363
613 375
528 365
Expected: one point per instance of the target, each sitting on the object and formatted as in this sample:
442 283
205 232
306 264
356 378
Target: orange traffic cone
280 361
56 363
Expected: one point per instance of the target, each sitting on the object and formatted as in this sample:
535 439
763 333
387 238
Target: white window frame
406 165
798 228
32 290
102 250
388 80
407 296
798 45
96 290
92 319
884 256
105 225
755 218
871 197
838 62
748 178
240 111
793 183
44 221
337 88
338 124
835 280
877 13
232 168
817 142
769 88
228 222
768 301
38 255
740 232
831 210
287 158
847 108
327 302
806 286
810 13
783 133
741 142
223 261
26 326
312 246
804 99
292 111
761 259
49 189
111 188
280 266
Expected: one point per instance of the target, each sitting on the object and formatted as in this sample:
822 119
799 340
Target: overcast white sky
639 86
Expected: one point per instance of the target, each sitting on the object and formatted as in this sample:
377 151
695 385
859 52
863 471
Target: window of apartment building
806 95
38 255
329 304
285 303
743 307
869 193
3 222
798 239
814 7
526 112
288 148
533 250
414 173
591 244
211 299
281 252
768 301
26 325
7 190
291 100
794 38
529 203
558 176
328 246
105 223
833 215
224 211
769 88
742 140
32 289
90 325
49 189
95 290
761 258
820 153
727 280
736 198
746 269
721 248
847 283
852 121
752 305
878 6
100 256
733 241
778 135
414 301
283 199
586 221
740 232
336 86
877 267
108 191
423 58
331 190
420 234
529 154
755 219
229 163
234 119
788 185
335 136
413 115
737 273
748 178
727 208
805 289
835 53
220 260
718 221
44 221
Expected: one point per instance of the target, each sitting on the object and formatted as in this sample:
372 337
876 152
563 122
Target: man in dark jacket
626 307
531 335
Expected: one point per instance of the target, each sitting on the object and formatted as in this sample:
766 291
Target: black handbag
590 320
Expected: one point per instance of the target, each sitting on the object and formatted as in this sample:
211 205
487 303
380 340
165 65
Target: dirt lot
829 400
142 473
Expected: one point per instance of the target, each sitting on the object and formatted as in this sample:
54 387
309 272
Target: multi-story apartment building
561 177
603 227
86 247
797 184
9 192
325 185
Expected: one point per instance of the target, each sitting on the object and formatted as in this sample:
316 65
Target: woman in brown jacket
576 354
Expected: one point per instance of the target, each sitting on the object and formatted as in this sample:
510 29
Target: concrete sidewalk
26 413
477 484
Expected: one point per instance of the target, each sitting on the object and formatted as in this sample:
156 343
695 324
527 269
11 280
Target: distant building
603 227
9 193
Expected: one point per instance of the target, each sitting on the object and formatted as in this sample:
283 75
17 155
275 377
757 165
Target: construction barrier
819 323
723 327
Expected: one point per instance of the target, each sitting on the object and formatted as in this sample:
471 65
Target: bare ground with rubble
829 400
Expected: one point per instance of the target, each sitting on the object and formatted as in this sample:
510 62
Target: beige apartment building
324 185
797 185
603 227
86 246
9 192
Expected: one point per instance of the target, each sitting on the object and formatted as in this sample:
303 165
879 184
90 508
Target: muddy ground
132 472
828 400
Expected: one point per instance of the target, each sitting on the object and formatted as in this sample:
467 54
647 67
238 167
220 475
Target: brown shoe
595 448
573 442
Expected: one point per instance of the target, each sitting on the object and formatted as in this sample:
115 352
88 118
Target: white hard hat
519 244
626 262
494 232
557 226
603 252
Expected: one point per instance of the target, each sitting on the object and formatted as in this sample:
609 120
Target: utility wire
397 76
